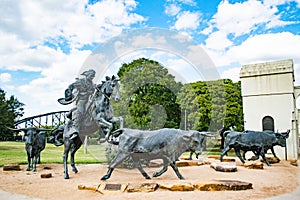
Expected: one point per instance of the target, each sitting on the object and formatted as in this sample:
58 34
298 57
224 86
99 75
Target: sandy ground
281 178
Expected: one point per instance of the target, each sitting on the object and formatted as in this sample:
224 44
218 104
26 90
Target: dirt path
278 179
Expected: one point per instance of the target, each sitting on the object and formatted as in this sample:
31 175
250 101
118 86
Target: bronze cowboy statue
93 112
84 90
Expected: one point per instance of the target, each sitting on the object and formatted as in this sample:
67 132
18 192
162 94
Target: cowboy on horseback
84 91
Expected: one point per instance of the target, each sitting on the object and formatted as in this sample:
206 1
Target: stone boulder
272 159
85 187
256 164
294 162
227 159
111 188
142 187
46 175
11 167
182 163
47 167
155 163
185 163
177 186
184 158
208 161
224 166
222 185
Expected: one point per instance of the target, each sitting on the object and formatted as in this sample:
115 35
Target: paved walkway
9 196
295 195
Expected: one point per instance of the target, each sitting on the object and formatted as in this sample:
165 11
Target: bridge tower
269 102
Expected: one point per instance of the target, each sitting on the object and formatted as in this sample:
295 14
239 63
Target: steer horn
13 129
208 134
26 129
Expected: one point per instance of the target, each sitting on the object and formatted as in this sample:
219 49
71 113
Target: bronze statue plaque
113 187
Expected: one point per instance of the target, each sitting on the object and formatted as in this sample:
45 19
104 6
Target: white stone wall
268 90
268 85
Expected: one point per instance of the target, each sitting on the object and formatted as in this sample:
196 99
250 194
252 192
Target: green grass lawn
15 153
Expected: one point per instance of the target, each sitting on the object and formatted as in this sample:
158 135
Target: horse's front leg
73 151
65 159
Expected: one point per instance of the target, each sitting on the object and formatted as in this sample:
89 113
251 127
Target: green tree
10 109
234 105
212 104
149 95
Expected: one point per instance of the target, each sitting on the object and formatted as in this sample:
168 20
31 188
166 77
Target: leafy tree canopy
151 99
149 95
212 104
10 109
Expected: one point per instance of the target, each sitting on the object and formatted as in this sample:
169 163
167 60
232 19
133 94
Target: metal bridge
48 119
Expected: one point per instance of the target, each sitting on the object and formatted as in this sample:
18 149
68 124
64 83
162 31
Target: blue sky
44 44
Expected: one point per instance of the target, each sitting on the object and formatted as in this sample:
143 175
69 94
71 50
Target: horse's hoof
155 174
34 170
66 176
105 177
75 170
27 169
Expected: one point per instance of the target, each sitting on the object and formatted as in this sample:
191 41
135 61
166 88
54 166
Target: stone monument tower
269 102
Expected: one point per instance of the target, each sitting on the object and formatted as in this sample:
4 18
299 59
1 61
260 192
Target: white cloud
269 47
280 2
242 18
245 18
218 41
5 77
40 95
74 20
187 20
218 56
264 47
27 25
259 48
188 2
172 9
232 73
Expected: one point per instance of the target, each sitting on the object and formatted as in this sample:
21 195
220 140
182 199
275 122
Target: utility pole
184 119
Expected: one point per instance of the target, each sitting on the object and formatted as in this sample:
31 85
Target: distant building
269 102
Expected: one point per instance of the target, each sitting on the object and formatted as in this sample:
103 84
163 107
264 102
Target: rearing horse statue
98 116
102 111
